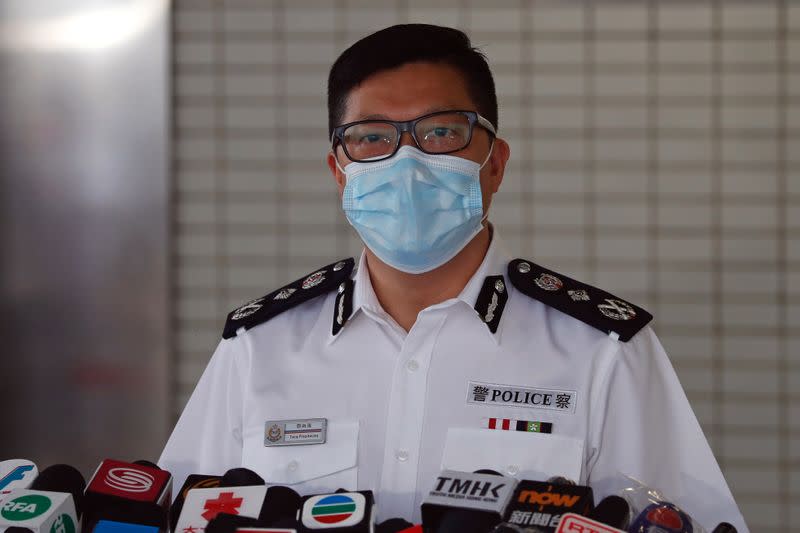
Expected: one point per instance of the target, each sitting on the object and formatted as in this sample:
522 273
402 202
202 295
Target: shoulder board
588 304
260 310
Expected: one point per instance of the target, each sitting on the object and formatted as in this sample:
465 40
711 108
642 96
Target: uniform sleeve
646 429
208 436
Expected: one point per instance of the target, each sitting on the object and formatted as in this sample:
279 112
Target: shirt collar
366 301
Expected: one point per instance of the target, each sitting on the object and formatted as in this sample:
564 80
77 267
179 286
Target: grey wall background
655 153
84 230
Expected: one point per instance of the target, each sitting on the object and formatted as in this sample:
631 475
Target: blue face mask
415 211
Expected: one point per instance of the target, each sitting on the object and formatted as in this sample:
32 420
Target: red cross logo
225 503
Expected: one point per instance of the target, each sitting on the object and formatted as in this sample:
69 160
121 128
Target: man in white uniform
438 350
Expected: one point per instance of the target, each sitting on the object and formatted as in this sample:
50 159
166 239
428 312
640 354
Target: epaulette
595 307
260 310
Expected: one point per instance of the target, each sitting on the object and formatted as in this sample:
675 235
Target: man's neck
403 295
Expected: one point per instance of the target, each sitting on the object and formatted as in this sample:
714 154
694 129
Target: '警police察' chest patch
493 395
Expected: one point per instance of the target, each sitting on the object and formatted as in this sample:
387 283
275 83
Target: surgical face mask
415 211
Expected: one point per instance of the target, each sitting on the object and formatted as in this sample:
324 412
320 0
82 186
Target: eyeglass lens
445 132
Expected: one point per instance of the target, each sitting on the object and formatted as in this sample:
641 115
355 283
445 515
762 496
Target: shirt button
292 466
513 470
412 365
402 455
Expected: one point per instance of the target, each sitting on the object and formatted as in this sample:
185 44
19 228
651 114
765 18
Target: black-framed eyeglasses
442 132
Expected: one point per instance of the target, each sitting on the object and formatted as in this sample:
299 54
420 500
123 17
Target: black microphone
145 462
466 502
281 506
229 523
541 504
612 511
241 477
127 493
62 478
393 525
725 527
193 481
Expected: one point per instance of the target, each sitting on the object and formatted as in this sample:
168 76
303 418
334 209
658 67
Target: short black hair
408 43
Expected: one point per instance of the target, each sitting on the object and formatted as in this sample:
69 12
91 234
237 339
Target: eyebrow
379 116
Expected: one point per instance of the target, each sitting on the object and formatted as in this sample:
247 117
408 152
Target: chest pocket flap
535 456
327 466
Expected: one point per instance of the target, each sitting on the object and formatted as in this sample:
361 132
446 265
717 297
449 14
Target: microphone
281 506
345 512
62 478
203 505
573 523
613 511
724 527
466 502
230 523
193 481
540 504
45 511
16 474
112 526
129 493
145 462
241 477
279 510
393 525
663 517
265 530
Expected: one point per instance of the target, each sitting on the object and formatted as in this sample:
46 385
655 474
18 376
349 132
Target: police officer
437 350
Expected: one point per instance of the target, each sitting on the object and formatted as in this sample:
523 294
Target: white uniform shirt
401 407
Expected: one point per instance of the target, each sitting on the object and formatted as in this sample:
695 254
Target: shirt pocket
523 455
311 468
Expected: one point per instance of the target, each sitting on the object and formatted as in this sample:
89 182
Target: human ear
338 175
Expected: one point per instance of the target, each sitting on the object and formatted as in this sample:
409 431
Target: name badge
295 432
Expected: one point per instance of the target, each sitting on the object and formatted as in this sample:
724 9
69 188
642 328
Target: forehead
408 91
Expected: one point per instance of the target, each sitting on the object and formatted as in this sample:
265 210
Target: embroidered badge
579 295
490 394
284 294
295 432
492 307
314 279
510 424
548 282
247 309
617 310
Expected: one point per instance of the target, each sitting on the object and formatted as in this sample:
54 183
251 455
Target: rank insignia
492 301
619 319
579 295
255 312
284 294
314 279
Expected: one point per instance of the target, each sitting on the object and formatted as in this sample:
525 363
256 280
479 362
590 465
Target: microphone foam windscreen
62 478
613 511
241 477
